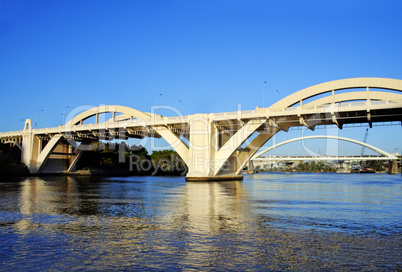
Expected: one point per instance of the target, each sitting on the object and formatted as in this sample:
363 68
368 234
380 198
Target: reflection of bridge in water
214 146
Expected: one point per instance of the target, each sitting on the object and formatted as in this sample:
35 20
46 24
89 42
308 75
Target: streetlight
64 113
156 109
263 94
181 107
36 118
22 120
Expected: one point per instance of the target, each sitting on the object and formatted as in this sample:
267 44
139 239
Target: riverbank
22 171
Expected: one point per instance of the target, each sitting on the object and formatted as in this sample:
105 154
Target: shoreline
81 173
23 172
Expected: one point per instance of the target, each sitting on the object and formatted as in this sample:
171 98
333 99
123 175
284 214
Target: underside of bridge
214 146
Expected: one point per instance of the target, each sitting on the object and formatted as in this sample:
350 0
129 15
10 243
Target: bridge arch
129 114
298 97
347 97
13 143
343 84
379 151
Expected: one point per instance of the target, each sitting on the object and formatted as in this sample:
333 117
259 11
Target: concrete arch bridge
259 160
214 146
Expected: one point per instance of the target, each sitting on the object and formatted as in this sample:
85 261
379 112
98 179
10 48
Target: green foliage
376 165
313 166
303 166
168 162
108 156
9 155
10 161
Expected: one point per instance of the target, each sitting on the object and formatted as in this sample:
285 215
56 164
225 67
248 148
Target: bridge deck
339 114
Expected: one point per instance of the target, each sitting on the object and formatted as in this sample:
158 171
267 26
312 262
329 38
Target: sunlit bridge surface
268 222
219 140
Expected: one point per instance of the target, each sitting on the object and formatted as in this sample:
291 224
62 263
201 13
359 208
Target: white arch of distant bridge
210 143
385 155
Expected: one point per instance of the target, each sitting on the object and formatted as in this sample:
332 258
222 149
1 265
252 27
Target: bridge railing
11 133
257 113
290 110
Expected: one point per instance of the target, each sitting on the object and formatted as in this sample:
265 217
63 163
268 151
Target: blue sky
211 55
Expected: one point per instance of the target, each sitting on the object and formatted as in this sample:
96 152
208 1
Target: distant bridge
258 159
320 158
214 146
384 155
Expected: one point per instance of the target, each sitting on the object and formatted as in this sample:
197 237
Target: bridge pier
393 167
30 147
204 147
250 168
215 178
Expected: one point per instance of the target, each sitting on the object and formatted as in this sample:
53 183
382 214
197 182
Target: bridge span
214 146
259 160
382 155
321 158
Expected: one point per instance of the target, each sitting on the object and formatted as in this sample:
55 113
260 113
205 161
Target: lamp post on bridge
156 108
181 106
64 114
36 118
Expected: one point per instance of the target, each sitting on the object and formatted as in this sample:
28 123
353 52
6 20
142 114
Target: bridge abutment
42 156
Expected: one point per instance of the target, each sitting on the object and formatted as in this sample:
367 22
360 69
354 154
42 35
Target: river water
267 222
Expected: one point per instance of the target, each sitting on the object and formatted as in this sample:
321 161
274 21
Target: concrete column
30 147
250 169
201 152
393 167
203 146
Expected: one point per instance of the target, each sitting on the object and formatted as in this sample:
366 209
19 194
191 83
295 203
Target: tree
168 162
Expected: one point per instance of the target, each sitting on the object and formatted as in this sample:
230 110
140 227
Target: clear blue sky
211 55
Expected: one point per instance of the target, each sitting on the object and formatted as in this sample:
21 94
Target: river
267 222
